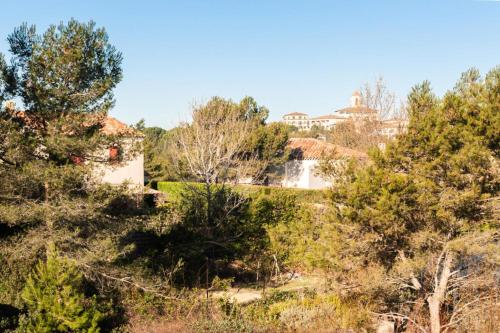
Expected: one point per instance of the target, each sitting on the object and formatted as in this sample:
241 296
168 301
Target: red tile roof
314 149
112 126
28 120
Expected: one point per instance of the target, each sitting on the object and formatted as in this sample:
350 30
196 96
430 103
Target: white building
355 112
358 111
328 122
297 119
393 127
122 165
305 154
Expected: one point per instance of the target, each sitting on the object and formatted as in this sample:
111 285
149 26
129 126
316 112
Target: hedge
174 190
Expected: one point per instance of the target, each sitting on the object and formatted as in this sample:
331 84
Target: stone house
119 169
118 164
300 171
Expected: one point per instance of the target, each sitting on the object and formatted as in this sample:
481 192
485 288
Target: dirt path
249 295
239 296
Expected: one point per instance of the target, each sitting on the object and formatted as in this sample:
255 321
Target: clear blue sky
305 56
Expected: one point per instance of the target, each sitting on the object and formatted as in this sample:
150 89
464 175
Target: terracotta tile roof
296 114
314 149
28 120
112 126
328 116
357 110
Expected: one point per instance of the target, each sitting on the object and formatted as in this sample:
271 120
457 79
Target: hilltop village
356 113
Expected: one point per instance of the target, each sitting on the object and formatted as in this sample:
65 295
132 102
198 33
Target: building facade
301 170
123 165
356 113
297 119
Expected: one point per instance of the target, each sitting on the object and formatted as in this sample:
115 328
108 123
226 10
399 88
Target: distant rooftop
112 126
328 116
314 149
357 110
296 114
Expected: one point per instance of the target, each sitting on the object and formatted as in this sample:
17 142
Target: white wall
301 174
131 170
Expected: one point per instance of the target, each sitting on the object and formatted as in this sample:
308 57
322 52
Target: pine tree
63 81
53 294
420 214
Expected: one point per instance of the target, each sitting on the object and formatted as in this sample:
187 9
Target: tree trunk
441 278
434 305
209 225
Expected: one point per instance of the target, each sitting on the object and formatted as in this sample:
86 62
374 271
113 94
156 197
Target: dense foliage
420 220
48 145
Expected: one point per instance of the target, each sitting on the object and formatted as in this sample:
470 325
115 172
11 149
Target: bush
55 301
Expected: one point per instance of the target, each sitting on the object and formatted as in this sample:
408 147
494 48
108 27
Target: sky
291 56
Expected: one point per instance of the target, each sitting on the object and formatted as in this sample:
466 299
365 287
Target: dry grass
158 326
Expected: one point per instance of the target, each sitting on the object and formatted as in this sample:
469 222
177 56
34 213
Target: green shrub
55 301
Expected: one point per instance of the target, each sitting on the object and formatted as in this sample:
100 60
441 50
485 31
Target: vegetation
174 191
417 220
54 298
261 143
411 237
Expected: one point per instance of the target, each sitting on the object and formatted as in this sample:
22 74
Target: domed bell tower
356 99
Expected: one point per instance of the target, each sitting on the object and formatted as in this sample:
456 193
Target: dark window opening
115 154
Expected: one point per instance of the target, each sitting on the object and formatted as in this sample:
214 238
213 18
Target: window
115 154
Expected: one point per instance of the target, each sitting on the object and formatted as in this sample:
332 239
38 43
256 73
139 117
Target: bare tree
213 148
378 97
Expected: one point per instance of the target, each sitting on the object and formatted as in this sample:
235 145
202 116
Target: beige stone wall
130 170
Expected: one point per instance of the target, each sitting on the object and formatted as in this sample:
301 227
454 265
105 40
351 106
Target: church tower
356 99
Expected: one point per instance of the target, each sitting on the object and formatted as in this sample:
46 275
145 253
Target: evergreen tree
56 303
65 80
419 215
436 176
